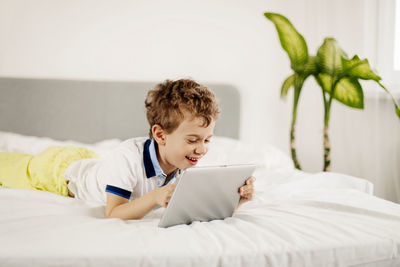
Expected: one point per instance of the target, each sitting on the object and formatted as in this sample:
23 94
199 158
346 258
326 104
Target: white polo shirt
130 171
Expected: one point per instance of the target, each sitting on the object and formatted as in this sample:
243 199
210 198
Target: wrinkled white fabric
304 220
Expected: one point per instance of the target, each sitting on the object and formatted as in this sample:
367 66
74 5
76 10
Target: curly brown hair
167 101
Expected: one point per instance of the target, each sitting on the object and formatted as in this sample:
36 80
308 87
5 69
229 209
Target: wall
210 41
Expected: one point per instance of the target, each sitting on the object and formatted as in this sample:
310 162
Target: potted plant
336 74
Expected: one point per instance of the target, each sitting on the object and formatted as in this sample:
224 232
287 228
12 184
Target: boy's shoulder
128 153
137 141
132 145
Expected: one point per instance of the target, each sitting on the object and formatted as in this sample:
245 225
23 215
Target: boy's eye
192 141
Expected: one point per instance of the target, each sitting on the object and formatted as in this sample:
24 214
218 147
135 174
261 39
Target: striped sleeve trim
118 191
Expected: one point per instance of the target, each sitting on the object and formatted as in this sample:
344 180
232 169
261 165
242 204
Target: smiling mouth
192 161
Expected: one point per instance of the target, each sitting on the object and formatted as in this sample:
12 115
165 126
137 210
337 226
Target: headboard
91 111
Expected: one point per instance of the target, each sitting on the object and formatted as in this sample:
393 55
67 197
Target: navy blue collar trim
148 165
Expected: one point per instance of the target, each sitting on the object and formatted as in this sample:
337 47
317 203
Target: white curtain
366 143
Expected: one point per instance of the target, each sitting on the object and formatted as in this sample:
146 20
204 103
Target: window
388 47
397 38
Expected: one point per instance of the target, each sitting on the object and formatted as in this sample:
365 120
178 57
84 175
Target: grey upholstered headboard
90 111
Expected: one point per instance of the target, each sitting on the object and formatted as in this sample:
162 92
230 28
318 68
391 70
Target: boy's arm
119 207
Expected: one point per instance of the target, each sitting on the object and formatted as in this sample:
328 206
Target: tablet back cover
206 193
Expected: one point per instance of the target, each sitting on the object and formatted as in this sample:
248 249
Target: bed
296 218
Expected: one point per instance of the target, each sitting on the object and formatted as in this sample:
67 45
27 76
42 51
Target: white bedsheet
304 220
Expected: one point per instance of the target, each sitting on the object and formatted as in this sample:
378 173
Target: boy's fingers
171 188
243 190
249 195
247 192
250 180
248 188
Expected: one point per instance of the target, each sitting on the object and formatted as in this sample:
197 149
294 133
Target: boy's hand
247 190
163 194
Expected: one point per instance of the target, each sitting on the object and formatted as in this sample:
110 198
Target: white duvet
296 219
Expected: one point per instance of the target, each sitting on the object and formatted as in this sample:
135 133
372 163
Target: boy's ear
158 134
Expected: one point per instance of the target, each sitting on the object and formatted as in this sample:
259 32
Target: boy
140 173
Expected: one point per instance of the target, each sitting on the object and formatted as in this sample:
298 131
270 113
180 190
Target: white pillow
224 150
13 142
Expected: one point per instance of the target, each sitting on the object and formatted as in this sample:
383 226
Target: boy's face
185 146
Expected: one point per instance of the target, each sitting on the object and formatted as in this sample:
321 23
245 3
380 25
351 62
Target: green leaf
291 41
286 85
294 80
347 91
310 67
358 68
329 57
396 106
298 83
324 81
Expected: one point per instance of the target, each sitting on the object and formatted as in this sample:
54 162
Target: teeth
191 158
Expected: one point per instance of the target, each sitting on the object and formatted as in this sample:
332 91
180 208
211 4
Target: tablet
206 193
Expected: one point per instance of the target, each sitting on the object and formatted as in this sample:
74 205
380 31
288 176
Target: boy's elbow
108 214
111 214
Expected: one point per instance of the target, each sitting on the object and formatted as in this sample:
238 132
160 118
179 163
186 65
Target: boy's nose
200 149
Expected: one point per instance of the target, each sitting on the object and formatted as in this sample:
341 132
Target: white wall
209 40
